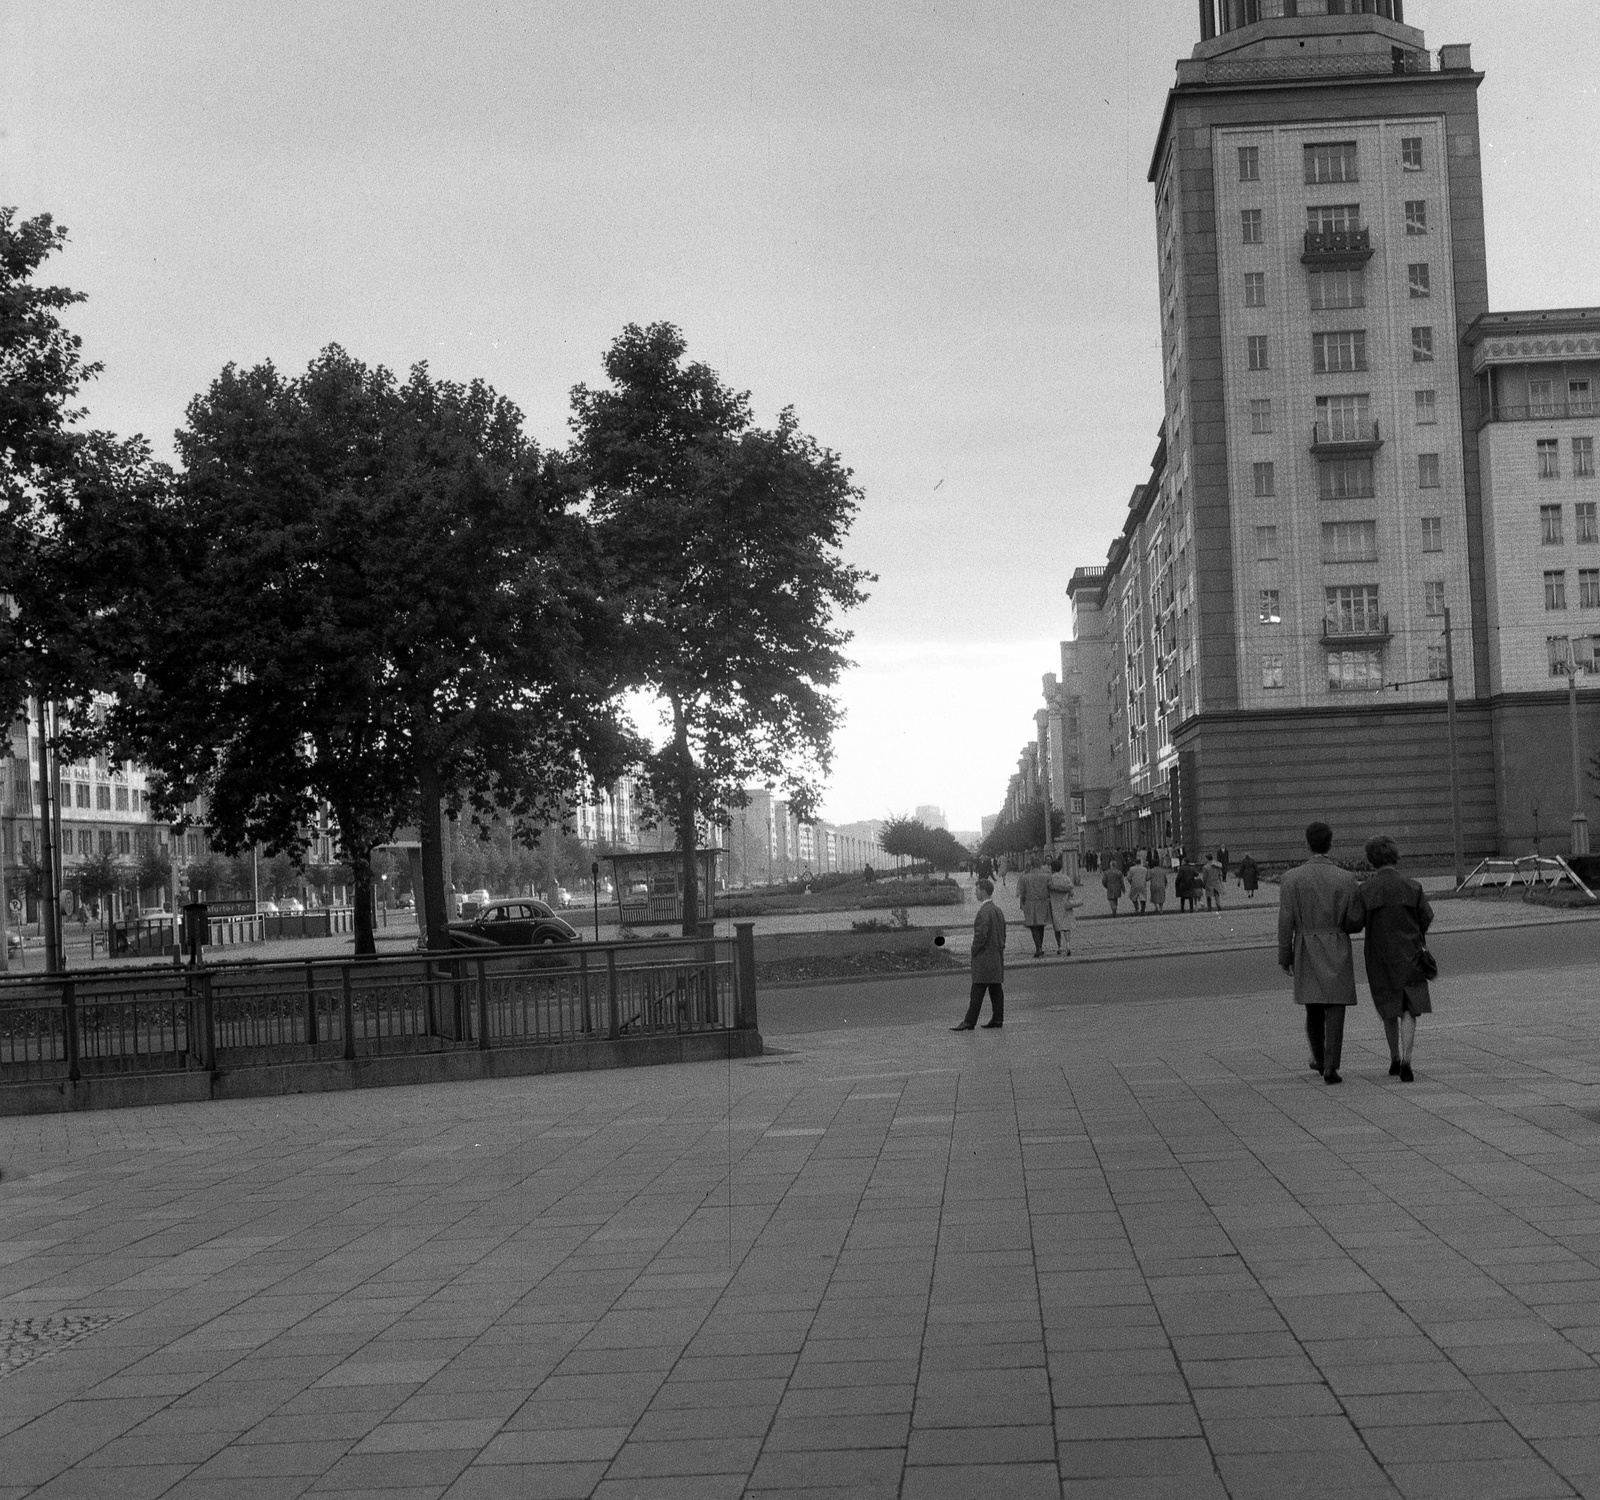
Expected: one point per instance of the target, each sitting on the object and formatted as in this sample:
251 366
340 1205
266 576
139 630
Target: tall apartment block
1320 234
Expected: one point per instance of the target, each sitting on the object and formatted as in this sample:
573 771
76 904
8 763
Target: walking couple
1319 906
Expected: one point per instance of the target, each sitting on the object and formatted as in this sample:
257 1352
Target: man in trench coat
1319 906
988 962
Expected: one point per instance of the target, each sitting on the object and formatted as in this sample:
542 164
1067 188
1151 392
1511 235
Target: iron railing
159 1018
1541 411
1330 246
1351 629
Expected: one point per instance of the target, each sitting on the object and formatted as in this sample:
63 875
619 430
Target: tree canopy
1025 832
910 838
724 540
377 595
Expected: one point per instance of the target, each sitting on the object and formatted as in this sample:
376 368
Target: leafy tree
379 597
60 561
724 540
99 877
1025 832
152 869
209 875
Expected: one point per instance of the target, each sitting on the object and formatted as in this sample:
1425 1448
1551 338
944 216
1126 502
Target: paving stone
1119 1263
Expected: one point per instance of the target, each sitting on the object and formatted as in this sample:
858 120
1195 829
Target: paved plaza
1122 1250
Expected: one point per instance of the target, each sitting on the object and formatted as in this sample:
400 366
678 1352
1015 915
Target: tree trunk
686 821
430 827
360 862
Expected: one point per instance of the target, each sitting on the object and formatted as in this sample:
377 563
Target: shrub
935 893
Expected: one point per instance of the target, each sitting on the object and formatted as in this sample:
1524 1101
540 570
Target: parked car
523 923
294 906
270 908
564 897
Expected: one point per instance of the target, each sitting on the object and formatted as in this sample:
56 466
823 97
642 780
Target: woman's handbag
1427 966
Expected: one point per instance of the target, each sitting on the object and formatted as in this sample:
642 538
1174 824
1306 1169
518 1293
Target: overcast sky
925 226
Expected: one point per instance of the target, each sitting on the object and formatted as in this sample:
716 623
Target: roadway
1050 983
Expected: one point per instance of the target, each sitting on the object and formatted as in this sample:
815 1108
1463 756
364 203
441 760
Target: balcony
1356 630
1345 438
1337 247
1541 411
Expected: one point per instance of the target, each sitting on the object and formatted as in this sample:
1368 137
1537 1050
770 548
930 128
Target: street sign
69 903
15 903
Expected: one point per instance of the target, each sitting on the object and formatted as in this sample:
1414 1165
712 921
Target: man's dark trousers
997 1004
1325 1032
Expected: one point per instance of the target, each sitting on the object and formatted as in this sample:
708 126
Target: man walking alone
1319 907
988 962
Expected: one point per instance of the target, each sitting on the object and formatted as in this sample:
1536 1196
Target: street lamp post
594 879
1455 758
1580 820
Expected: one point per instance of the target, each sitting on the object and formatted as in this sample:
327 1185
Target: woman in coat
1249 875
1398 917
1063 895
1158 887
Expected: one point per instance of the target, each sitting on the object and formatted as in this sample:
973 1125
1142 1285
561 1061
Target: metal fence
161 1018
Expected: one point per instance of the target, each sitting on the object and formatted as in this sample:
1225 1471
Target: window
124 844
83 794
1345 478
122 799
1353 610
1261 415
1427 471
102 798
1589 588
1355 671
1411 153
1271 612
1333 218
1271 675
1250 225
1583 458
1585 523
1550 525
1335 163
1438 664
1421 279
1433 598
1559 652
1422 346
1579 402
1549 458
1427 408
1433 533
1349 541
1344 419
1417 216
1255 295
1266 482
1542 398
1336 290
105 840
1555 590
85 842
1337 353
1249 164
1266 543
1257 355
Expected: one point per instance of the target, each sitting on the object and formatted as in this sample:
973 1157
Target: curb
1112 958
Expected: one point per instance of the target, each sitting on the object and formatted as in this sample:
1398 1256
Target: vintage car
518 923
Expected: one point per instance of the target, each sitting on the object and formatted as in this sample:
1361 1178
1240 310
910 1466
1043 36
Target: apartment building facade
1320 241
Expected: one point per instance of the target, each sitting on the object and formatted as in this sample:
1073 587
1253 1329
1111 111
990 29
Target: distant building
931 817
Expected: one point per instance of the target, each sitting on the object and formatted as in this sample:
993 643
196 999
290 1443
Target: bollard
208 1024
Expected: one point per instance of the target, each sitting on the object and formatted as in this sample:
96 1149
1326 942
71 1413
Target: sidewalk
1116 1251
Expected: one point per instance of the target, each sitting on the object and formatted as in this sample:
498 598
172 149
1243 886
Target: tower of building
1319 213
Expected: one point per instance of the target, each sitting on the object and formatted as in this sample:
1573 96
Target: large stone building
1353 451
